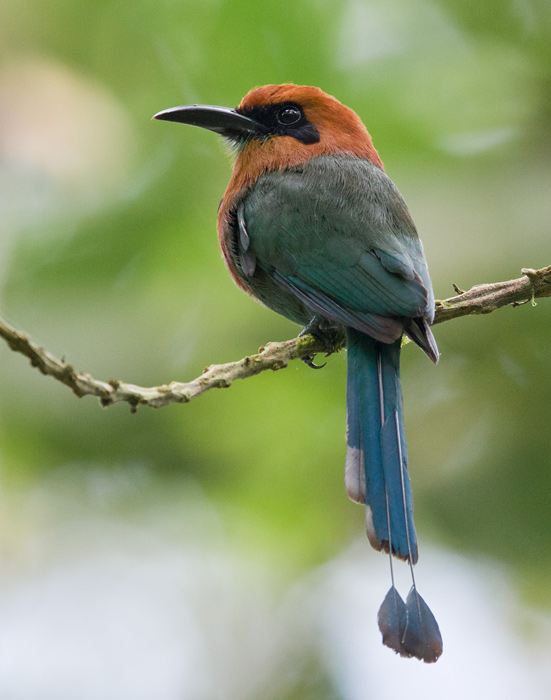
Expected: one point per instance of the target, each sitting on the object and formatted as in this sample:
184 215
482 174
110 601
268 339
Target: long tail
377 475
376 462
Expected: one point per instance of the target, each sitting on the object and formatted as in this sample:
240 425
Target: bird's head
280 126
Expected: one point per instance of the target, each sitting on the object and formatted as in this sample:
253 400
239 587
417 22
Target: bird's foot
326 334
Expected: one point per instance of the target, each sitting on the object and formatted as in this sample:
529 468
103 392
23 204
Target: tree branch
481 299
485 298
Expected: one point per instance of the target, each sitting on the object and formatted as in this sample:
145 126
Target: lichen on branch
481 299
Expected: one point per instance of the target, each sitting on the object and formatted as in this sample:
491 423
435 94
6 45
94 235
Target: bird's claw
309 360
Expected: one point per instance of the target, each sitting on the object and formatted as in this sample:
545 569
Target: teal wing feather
338 229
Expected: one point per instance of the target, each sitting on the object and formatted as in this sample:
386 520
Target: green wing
337 234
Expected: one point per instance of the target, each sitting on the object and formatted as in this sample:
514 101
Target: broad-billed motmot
312 227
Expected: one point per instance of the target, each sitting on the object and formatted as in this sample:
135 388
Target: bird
311 226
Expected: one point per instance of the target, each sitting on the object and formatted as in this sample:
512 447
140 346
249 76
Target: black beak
221 120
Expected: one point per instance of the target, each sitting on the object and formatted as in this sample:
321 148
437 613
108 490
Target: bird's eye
289 115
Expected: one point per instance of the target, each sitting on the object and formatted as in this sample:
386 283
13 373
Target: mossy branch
481 299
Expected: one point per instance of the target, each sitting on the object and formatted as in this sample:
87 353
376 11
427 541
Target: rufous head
299 114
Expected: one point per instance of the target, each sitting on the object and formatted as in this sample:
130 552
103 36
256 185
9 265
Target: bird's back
338 225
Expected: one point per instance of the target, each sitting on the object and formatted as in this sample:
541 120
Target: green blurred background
209 550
